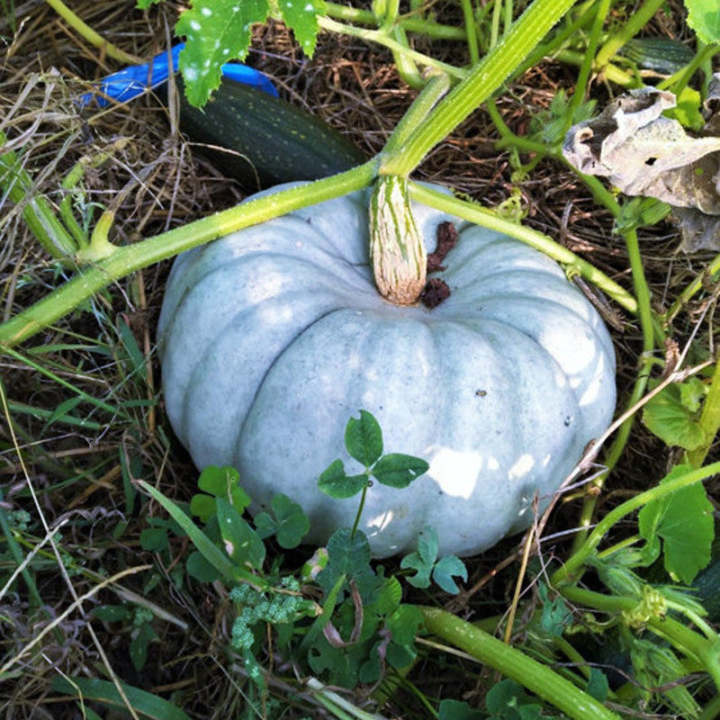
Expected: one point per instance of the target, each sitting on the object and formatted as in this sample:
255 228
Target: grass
82 412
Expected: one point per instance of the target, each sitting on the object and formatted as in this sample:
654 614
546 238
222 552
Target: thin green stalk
382 38
578 558
116 412
37 213
480 216
509 138
535 676
482 81
677 82
693 288
637 22
128 259
416 25
434 89
95 39
495 23
587 65
405 66
470 31
17 555
42 414
709 420
358 514
508 19
611 72
548 49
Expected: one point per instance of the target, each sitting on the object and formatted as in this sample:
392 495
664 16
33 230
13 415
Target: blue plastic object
135 79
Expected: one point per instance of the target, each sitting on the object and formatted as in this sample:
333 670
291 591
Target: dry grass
82 477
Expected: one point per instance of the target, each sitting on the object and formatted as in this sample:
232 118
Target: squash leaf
363 438
217 31
704 18
289 523
671 414
684 522
458 710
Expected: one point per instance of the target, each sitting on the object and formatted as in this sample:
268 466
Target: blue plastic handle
135 79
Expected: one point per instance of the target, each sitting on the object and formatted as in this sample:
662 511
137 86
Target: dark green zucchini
266 140
663 55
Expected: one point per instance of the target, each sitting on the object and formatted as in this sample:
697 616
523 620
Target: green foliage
640 212
684 523
704 18
217 31
364 443
425 564
549 126
508 701
458 710
555 615
288 523
673 414
598 685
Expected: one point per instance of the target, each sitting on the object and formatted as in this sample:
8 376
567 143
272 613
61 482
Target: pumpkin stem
397 251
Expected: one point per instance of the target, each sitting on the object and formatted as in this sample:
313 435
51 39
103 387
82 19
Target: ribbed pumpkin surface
272 337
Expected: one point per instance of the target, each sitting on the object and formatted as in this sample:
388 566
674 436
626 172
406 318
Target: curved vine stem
536 677
125 260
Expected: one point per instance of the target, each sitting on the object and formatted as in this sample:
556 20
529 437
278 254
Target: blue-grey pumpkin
273 337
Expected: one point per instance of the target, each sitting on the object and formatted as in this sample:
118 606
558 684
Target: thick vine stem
536 677
127 259
487 76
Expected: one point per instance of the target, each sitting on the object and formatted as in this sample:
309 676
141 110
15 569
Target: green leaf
144 703
458 710
154 539
224 482
290 523
216 31
428 545
403 625
421 578
684 521
598 685
508 701
137 365
145 4
347 555
666 416
398 470
301 18
111 613
64 409
242 543
363 439
445 569
202 506
139 645
704 18
201 541
200 569
335 483
555 613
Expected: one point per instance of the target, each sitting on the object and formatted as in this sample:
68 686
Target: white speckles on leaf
206 11
195 25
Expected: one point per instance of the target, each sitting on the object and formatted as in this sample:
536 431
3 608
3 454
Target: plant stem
712 710
587 65
360 506
90 35
696 285
480 216
709 420
405 66
125 260
435 88
411 24
483 80
611 72
637 22
37 213
470 31
573 564
677 82
382 38
705 650
536 677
